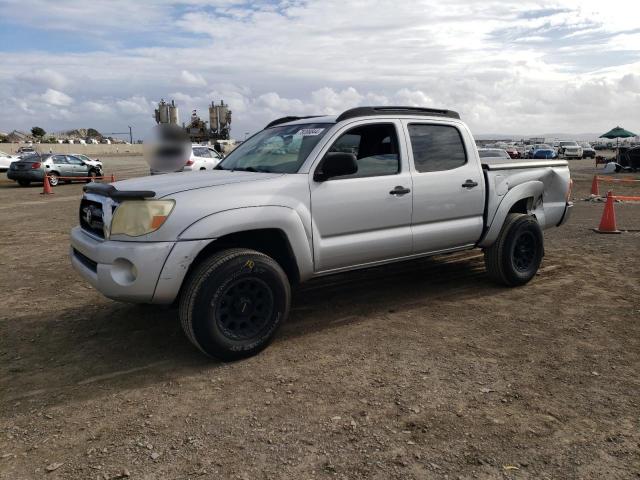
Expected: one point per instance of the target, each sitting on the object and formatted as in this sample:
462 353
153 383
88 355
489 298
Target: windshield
279 149
541 146
568 144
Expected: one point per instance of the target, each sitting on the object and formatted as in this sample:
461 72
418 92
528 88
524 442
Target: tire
24 183
516 255
54 179
217 292
93 174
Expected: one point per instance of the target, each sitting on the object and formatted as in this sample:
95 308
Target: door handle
470 184
399 190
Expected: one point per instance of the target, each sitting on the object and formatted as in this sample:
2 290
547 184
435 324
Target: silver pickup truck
312 196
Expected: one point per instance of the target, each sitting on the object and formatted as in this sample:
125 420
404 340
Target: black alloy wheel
244 309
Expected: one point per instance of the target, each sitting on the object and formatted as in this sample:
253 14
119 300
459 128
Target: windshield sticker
310 132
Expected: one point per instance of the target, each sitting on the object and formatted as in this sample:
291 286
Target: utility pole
130 135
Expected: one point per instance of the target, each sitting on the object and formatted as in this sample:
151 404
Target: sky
507 66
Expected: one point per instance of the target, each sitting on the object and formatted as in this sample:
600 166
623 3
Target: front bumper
137 272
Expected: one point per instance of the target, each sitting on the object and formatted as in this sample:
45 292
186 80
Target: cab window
436 147
375 147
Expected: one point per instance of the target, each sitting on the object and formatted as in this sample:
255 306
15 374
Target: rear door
60 165
365 217
448 186
202 158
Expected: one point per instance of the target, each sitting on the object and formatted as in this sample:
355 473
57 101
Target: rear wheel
233 303
54 179
516 255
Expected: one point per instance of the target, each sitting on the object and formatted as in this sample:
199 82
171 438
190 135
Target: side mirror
336 164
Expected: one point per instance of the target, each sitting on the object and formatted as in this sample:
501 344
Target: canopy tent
618 133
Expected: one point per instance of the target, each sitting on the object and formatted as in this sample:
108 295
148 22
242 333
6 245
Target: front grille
91 217
86 261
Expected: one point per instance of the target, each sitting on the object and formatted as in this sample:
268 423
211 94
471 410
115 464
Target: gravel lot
414 371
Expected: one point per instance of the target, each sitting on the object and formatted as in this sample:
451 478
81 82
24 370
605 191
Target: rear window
436 147
32 158
201 152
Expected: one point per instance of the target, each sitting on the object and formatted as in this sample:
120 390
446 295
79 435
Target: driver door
363 218
78 167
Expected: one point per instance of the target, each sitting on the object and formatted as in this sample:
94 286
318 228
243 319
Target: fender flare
271 217
531 189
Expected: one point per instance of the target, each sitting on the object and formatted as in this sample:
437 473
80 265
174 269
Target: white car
569 149
203 157
97 164
5 161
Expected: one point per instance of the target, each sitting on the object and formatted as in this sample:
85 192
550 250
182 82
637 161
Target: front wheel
233 303
515 256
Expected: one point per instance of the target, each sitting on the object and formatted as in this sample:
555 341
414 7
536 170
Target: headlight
139 217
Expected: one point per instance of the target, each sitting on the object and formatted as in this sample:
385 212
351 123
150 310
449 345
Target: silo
162 112
213 117
173 113
223 115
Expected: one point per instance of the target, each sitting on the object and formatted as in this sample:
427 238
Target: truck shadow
84 351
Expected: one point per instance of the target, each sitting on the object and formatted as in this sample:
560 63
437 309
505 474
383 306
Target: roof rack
278 121
368 111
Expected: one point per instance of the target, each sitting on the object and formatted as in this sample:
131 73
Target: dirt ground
415 371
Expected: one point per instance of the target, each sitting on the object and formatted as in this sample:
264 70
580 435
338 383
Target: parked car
6 160
569 149
541 150
512 151
32 168
493 153
201 157
541 153
308 197
587 150
26 150
95 163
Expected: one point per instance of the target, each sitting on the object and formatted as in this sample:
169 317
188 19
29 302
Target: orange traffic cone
595 189
608 221
46 190
113 178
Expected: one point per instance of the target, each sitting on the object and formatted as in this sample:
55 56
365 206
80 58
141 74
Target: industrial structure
218 127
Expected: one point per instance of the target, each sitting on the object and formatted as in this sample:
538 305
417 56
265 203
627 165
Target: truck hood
171 183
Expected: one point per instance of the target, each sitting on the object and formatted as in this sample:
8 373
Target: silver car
56 166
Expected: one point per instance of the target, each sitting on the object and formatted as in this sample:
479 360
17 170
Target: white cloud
507 66
57 98
191 79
